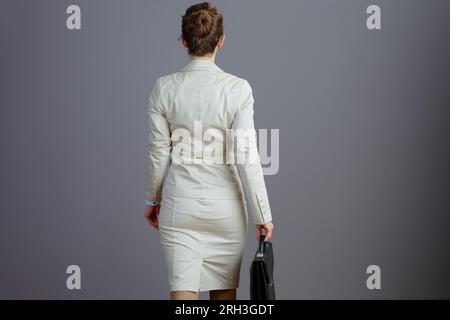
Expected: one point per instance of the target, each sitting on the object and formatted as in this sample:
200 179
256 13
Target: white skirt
203 242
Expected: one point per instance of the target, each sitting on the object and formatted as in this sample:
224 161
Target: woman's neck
211 58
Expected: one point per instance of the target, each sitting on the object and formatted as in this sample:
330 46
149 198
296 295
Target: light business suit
203 214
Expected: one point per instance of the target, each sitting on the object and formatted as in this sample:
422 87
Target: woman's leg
183 295
226 294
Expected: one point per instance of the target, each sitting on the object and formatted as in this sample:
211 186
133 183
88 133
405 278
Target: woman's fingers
258 231
151 215
268 234
154 218
154 223
268 227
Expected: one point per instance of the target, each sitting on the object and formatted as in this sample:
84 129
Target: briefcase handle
261 245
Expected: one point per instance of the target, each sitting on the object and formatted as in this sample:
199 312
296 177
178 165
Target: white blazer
202 93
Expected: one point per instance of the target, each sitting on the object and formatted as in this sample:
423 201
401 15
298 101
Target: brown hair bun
202 26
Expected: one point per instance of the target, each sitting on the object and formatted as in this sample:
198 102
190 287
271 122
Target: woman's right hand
268 227
151 215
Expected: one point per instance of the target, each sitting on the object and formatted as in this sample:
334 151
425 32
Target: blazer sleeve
250 171
159 144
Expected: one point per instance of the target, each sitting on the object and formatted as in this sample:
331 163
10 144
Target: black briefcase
262 286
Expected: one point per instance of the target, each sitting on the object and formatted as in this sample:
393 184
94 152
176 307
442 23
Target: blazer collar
201 64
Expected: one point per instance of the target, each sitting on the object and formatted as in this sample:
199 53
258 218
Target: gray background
364 125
